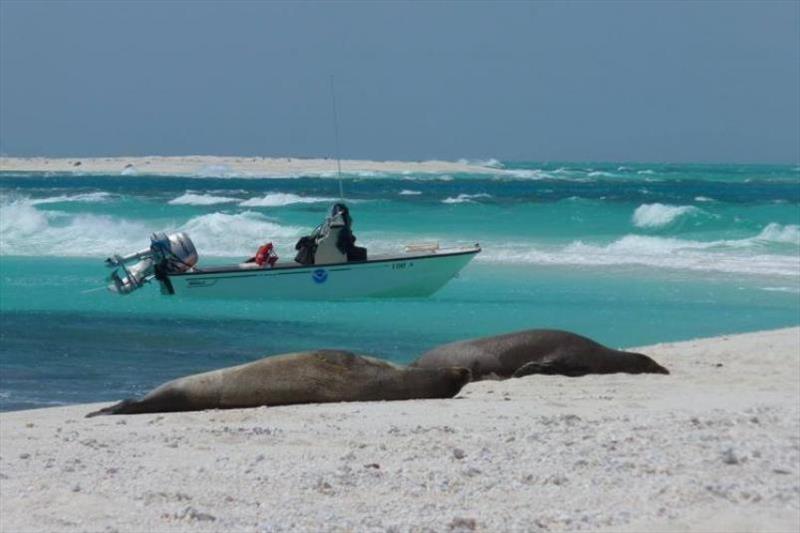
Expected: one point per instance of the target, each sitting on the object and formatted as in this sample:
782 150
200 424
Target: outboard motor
168 254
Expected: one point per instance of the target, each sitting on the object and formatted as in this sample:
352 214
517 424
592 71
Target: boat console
332 242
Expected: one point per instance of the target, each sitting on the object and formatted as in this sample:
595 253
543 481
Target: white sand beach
220 166
715 446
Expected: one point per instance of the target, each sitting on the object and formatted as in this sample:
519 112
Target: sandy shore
714 446
214 166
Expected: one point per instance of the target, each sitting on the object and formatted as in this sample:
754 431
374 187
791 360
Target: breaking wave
91 197
561 174
278 199
201 199
530 174
490 163
741 256
773 232
222 234
660 215
409 192
24 230
790 290
600 174
465 198
28 231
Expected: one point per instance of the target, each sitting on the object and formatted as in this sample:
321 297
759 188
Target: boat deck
378 258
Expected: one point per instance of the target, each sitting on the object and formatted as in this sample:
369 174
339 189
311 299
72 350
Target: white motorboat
328 266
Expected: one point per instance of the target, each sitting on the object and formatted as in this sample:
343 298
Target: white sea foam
201 199
778 233
600 174
369 174
563 174
743 256
790 290
491 162
465 198
129 171
277 199
529 174
20 218
91 197
646 172
705 199
660 215
223 234
409 192
26 230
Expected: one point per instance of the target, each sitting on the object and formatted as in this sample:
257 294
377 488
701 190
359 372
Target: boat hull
405 276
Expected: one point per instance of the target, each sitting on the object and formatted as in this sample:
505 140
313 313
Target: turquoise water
627 254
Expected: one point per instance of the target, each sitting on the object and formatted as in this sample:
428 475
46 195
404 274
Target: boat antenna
336 138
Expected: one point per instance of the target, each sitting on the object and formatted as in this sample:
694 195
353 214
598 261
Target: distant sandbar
218 166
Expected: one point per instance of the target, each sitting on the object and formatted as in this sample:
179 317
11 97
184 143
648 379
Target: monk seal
303 377
536 351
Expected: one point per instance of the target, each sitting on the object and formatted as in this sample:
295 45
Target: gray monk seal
536 351
304 377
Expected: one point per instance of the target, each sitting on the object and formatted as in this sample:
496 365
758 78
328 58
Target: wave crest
660 215
223 234
278 199
27 231
737 256
24 230
491 162
201 199
465 198
775 232
89 197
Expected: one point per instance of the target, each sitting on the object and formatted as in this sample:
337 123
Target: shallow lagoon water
627 258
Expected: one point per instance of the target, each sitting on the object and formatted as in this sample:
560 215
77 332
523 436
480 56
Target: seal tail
122 408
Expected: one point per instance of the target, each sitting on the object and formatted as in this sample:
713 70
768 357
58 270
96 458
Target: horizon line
473 161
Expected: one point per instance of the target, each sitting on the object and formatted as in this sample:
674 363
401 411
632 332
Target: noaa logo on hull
320 275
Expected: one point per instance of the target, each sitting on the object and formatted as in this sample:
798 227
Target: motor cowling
172 253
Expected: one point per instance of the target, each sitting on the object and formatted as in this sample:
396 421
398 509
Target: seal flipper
122 408
550 368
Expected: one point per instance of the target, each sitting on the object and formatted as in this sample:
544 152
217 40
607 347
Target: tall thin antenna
336 137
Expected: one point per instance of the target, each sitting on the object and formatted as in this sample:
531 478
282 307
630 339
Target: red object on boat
266 255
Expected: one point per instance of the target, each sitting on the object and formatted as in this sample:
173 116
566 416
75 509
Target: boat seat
327 252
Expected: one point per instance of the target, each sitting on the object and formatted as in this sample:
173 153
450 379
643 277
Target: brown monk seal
536 351
303 377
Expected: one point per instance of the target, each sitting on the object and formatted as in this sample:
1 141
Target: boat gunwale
238 270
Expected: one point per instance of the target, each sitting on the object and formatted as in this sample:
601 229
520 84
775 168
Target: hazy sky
674 81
